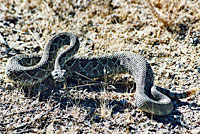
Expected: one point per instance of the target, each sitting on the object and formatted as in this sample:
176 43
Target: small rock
72 13
198 69
2 41
195 41
1 81
161 125
195 131
9 86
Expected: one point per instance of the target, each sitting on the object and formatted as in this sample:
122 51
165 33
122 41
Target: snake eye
63 37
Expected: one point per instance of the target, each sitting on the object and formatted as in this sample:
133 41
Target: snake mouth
59 79
59 75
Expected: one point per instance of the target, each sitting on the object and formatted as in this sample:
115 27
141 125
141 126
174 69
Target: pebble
9 86
2 41
195 131
170 59
195 41
198 69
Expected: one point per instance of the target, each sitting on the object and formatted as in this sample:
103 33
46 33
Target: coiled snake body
33 69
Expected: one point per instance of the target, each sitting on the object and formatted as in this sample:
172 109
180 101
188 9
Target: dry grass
165 32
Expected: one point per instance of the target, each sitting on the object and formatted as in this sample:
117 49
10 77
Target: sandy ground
166 33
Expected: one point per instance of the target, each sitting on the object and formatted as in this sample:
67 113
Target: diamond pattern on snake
33 69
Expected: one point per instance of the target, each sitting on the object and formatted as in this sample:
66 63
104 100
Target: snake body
33 69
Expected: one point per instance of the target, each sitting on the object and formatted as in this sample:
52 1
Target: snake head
59 75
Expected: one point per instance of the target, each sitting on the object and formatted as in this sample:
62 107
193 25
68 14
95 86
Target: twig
92 84
84 76
23 112
32 121
164 19
14 29
48 8
2 41
35 37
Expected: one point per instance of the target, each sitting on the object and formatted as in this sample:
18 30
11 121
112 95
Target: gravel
166 33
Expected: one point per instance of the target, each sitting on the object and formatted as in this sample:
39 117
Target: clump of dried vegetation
153 28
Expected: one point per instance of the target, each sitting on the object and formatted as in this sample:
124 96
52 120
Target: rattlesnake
33 69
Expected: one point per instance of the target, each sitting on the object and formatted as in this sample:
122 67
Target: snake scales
33 69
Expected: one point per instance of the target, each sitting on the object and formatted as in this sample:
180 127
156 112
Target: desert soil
166 33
